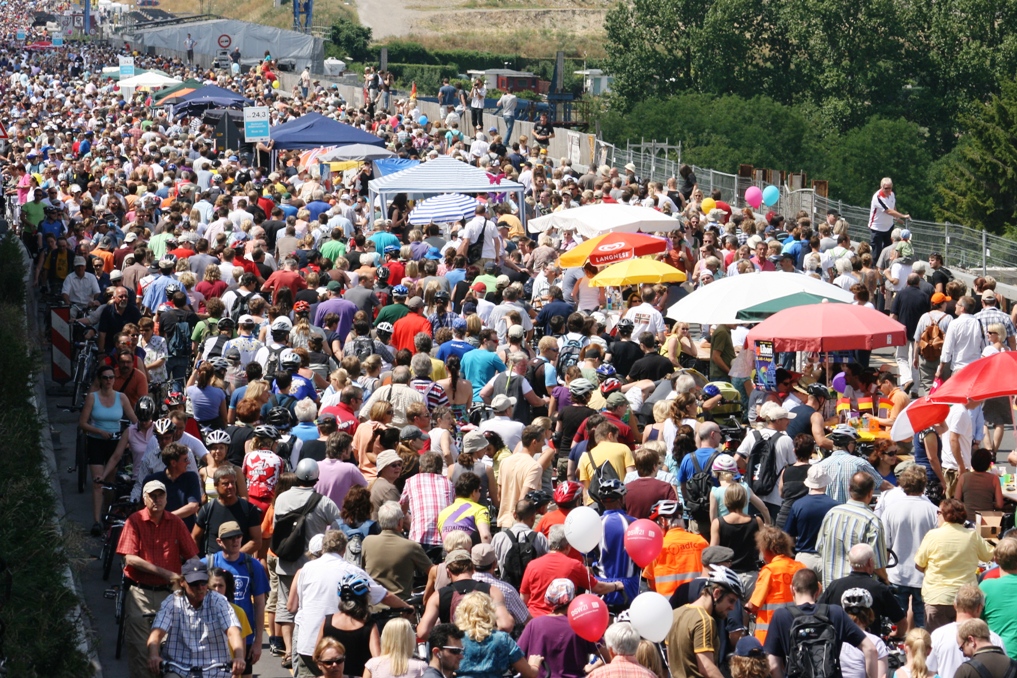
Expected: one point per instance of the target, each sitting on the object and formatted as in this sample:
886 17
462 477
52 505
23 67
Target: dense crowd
338 421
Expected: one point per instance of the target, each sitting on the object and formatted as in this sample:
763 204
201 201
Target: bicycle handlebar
188 670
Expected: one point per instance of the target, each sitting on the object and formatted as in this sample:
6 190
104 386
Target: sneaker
275 646
96 529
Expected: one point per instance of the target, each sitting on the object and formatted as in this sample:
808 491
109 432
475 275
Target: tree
979 179
352 38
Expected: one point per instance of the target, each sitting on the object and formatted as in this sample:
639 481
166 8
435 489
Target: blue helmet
606 370
400 291
353 585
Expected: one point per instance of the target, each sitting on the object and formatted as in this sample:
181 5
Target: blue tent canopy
202 99
213 92
314 130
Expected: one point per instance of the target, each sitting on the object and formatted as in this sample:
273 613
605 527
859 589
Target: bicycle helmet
400 291
725 463
172 288
612 487
538 498
352 585
267 431
307 469
385 328
225 324
145 409
606 370
625 325
279 417
441 295
174 398
623 616
383 274
219 364
818 390
843 434
856 599
232 354
301 307
282 324
289 360
164 426
711 391
609 386
581 386
566 492
725 577
218 437
665 508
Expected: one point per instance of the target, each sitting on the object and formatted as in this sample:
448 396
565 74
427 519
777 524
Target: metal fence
962 247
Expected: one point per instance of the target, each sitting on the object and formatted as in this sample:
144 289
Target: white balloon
583 529
651 615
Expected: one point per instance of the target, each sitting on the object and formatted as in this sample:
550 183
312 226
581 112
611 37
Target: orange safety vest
680 560
773 591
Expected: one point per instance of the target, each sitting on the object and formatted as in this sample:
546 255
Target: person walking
882 214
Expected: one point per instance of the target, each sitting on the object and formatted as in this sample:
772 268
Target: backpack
569 355
217 346
528 287
450 596
272 364
522 551
178 337
355 541
476 248
983 671
699 486
762 468
240 305
815 648
288 536
930 343
535 376
363 347
599 475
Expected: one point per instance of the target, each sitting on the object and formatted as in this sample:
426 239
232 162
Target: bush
427 77
351 38
41 638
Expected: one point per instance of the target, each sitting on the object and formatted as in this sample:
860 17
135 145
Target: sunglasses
452 650
332 662
108 376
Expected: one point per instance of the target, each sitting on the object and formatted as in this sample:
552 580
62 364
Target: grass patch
41 639
530 43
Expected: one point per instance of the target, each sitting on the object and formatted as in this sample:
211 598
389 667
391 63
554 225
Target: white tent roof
441 175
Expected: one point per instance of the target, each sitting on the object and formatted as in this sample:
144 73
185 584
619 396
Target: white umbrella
443 209
720 301
593 220
149 79
356 152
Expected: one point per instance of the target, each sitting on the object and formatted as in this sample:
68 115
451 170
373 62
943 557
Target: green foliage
351 38
979 180
428 78
12 277
529 95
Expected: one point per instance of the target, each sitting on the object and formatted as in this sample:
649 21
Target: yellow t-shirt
245 624
618 454
463 514
950 555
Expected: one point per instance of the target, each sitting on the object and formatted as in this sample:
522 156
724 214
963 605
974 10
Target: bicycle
114 520
119 595
195 671
85 363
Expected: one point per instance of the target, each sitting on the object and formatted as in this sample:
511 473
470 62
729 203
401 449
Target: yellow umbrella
611 248
635 271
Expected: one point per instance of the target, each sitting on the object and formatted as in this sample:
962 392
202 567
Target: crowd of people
349 435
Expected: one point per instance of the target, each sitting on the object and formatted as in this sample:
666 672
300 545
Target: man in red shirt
154 544
556 565
407 327
287 276
345 411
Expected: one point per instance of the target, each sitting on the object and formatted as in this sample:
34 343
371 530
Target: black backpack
699 486
272 364
569 355
815 647
522 551
535 376
762 468
241 305
288 538
600 474
178 336
475 251
363 347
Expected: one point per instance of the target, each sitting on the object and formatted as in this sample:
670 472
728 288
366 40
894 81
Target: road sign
21 34
256 124
225 41
126 67
58 40
79 21
3 132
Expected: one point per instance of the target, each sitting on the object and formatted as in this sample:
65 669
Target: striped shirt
426 495
513 601
841 465
196 636
434 395
991 314
845 526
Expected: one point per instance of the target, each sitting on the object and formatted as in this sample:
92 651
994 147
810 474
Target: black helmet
279 417
145 409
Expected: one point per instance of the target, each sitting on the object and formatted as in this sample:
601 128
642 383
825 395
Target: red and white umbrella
918 416
307 158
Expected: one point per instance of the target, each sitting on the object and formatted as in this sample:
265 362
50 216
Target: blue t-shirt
614 562
247 582
806 518
686 470
456 347
455 276
205 402
306 430
237 396
490 658
301 388
478 367
383 239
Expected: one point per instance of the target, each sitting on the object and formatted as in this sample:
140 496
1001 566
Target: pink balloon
643 541
754 196
588 617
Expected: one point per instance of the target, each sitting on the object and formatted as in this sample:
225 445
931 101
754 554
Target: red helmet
567 491
301 307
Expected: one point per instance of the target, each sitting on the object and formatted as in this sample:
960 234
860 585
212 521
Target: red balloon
588 617
643 541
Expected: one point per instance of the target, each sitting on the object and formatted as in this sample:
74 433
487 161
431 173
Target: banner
766 369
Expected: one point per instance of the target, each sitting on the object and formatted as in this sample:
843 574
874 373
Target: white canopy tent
443 175
593 220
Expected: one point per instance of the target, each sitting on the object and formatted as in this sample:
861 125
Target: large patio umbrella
767 308
637 271
989 377
918 416
443 209
720 301
612 248
597 219
356 152
829 327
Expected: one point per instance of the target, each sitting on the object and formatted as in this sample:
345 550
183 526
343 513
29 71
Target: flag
413 90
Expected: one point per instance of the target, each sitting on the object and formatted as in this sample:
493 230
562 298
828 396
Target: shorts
282 614
99 451
997 412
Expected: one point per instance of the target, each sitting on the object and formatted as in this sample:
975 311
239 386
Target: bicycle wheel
78 395
109 550
121 615
81 460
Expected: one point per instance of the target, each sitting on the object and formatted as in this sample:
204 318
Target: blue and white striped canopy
443 209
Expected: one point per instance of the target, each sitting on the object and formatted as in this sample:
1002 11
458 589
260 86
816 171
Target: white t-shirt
645 318
852 660
879 220
945 657
958 423
785 449
900 272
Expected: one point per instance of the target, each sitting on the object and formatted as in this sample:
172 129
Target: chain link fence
962 247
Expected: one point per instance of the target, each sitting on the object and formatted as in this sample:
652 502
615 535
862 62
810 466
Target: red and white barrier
60 340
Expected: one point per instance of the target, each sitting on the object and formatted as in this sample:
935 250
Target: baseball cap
116 275
415 303
229 529
616 399
333 286
479 288
903 466
79 261
247 319
131 237
516 332
748 646
483 555
502 402
716 555
939 298
411 433
988 295
458 555
153 486
194 570
777 413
